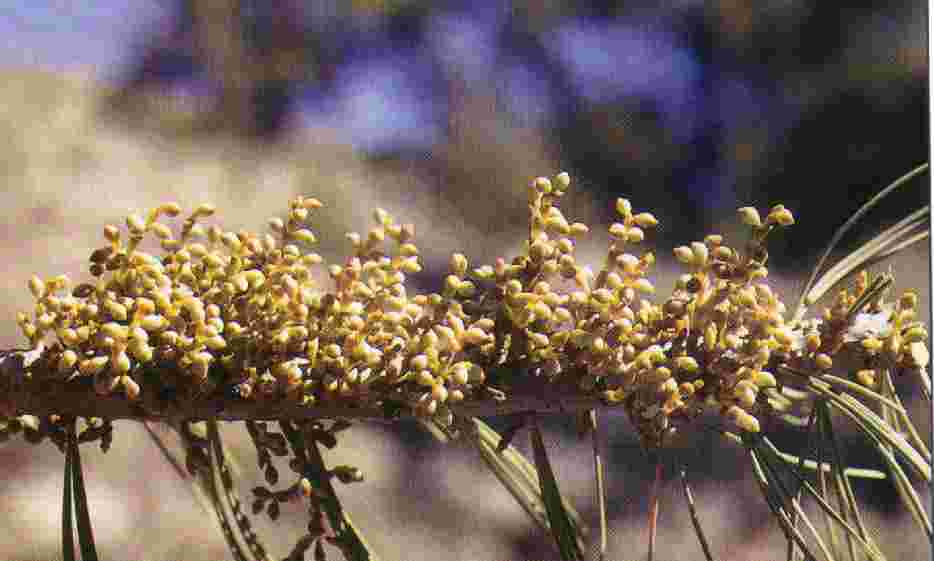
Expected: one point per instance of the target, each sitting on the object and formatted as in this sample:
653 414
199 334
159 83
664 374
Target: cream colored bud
823 361
919 354
130 388
460 373
781 216
204 210
750 216
513 287
710 337
684 255
578 229
748 423
115 330
634 234
93 365
542 185
161 231
140 350
439 393
424 378
644 285
624 207
866 377
135 224
476 336
117 310
562 181
458 264
700 253
915 334
687 364
419 362
871 345
645 220
121 364
783 336
764 379
111 233
169 209
37 287
67 361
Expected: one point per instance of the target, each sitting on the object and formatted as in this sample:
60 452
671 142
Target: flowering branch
233 326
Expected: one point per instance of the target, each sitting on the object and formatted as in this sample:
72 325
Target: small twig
653 508
689 497
599 483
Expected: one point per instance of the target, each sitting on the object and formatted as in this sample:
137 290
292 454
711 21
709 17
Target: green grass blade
504 467
68 537
517 474
562 527
776 505
862 390
843 482
909 496
871 424
82 515
599 484
811 465
800 464
906 492
803 299
785 496
910 241
890 437
913 435
867 252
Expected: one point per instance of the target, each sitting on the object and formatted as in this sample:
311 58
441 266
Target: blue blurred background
695 105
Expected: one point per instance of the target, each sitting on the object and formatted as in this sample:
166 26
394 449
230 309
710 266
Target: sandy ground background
66 173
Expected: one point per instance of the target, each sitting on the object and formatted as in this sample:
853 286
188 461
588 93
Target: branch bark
27 389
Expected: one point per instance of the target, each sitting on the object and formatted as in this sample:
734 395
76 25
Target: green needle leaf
516 473
68 538
562 528
85 533
808 295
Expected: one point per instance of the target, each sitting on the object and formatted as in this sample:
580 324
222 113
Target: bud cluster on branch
235 325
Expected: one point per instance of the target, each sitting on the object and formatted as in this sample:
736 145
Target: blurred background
442 112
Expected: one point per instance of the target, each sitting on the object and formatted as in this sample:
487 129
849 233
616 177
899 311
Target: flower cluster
244 313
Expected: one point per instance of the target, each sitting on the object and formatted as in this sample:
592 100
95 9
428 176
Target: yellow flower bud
562 181
823 361
645 220
750 216
624 207
687 364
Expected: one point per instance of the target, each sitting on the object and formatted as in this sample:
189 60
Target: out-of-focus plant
235 326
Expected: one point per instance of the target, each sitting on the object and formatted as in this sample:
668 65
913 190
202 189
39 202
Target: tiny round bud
750 216
562 181
684 255
823 361
645 220
624 207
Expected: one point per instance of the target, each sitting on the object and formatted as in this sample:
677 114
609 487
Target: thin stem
653 508
599 484
689 497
